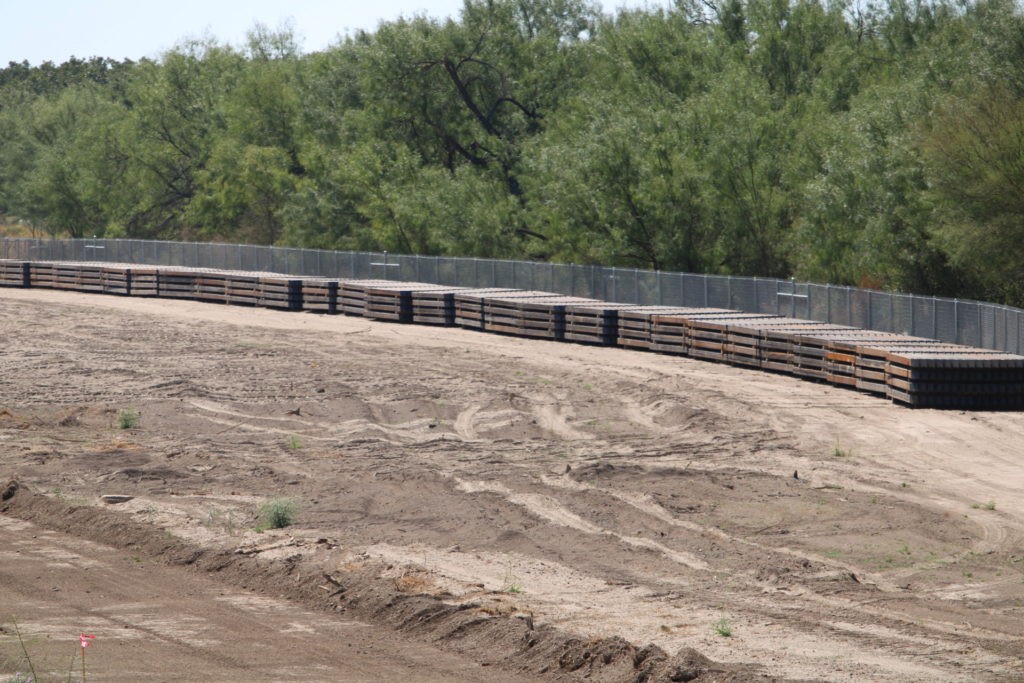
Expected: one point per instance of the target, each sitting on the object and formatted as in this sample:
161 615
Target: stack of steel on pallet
270 290
910 370
595 322
404 302
100 278
143 281
15 273
434 306
527 314
469 306
636 323
320 295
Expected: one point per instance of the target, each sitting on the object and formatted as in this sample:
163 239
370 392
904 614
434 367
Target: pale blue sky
55 30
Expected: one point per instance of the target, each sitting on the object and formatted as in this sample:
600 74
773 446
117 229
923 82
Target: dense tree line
879 144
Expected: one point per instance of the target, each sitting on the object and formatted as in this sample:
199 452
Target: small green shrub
128 418
723 628
512 584
277 513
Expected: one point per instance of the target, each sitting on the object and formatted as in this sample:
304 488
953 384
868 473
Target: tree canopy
875 144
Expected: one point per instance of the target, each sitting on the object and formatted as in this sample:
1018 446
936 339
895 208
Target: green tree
975 154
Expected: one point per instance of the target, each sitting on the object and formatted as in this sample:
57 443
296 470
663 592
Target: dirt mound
512 643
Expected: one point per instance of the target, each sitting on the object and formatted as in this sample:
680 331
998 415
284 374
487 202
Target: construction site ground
477 507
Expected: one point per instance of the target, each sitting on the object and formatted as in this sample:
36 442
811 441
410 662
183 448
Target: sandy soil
560 488
152 622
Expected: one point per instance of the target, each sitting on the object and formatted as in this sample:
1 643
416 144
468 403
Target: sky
55 30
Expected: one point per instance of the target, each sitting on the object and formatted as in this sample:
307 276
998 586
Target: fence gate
793 299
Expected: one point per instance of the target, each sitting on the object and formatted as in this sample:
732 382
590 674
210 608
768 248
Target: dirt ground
518 508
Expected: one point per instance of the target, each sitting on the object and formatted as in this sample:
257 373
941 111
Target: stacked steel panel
636 324
528 314
910 370
100 278
143 281
390 300
594 323
320 295
177 283
15 273
469 306
435 306
269 290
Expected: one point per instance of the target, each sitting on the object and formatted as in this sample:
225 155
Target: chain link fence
970 323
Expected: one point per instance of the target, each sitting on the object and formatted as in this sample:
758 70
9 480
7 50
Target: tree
177 114
975 154
620 185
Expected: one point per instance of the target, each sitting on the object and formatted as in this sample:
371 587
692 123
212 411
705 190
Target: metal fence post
956 321
981 333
